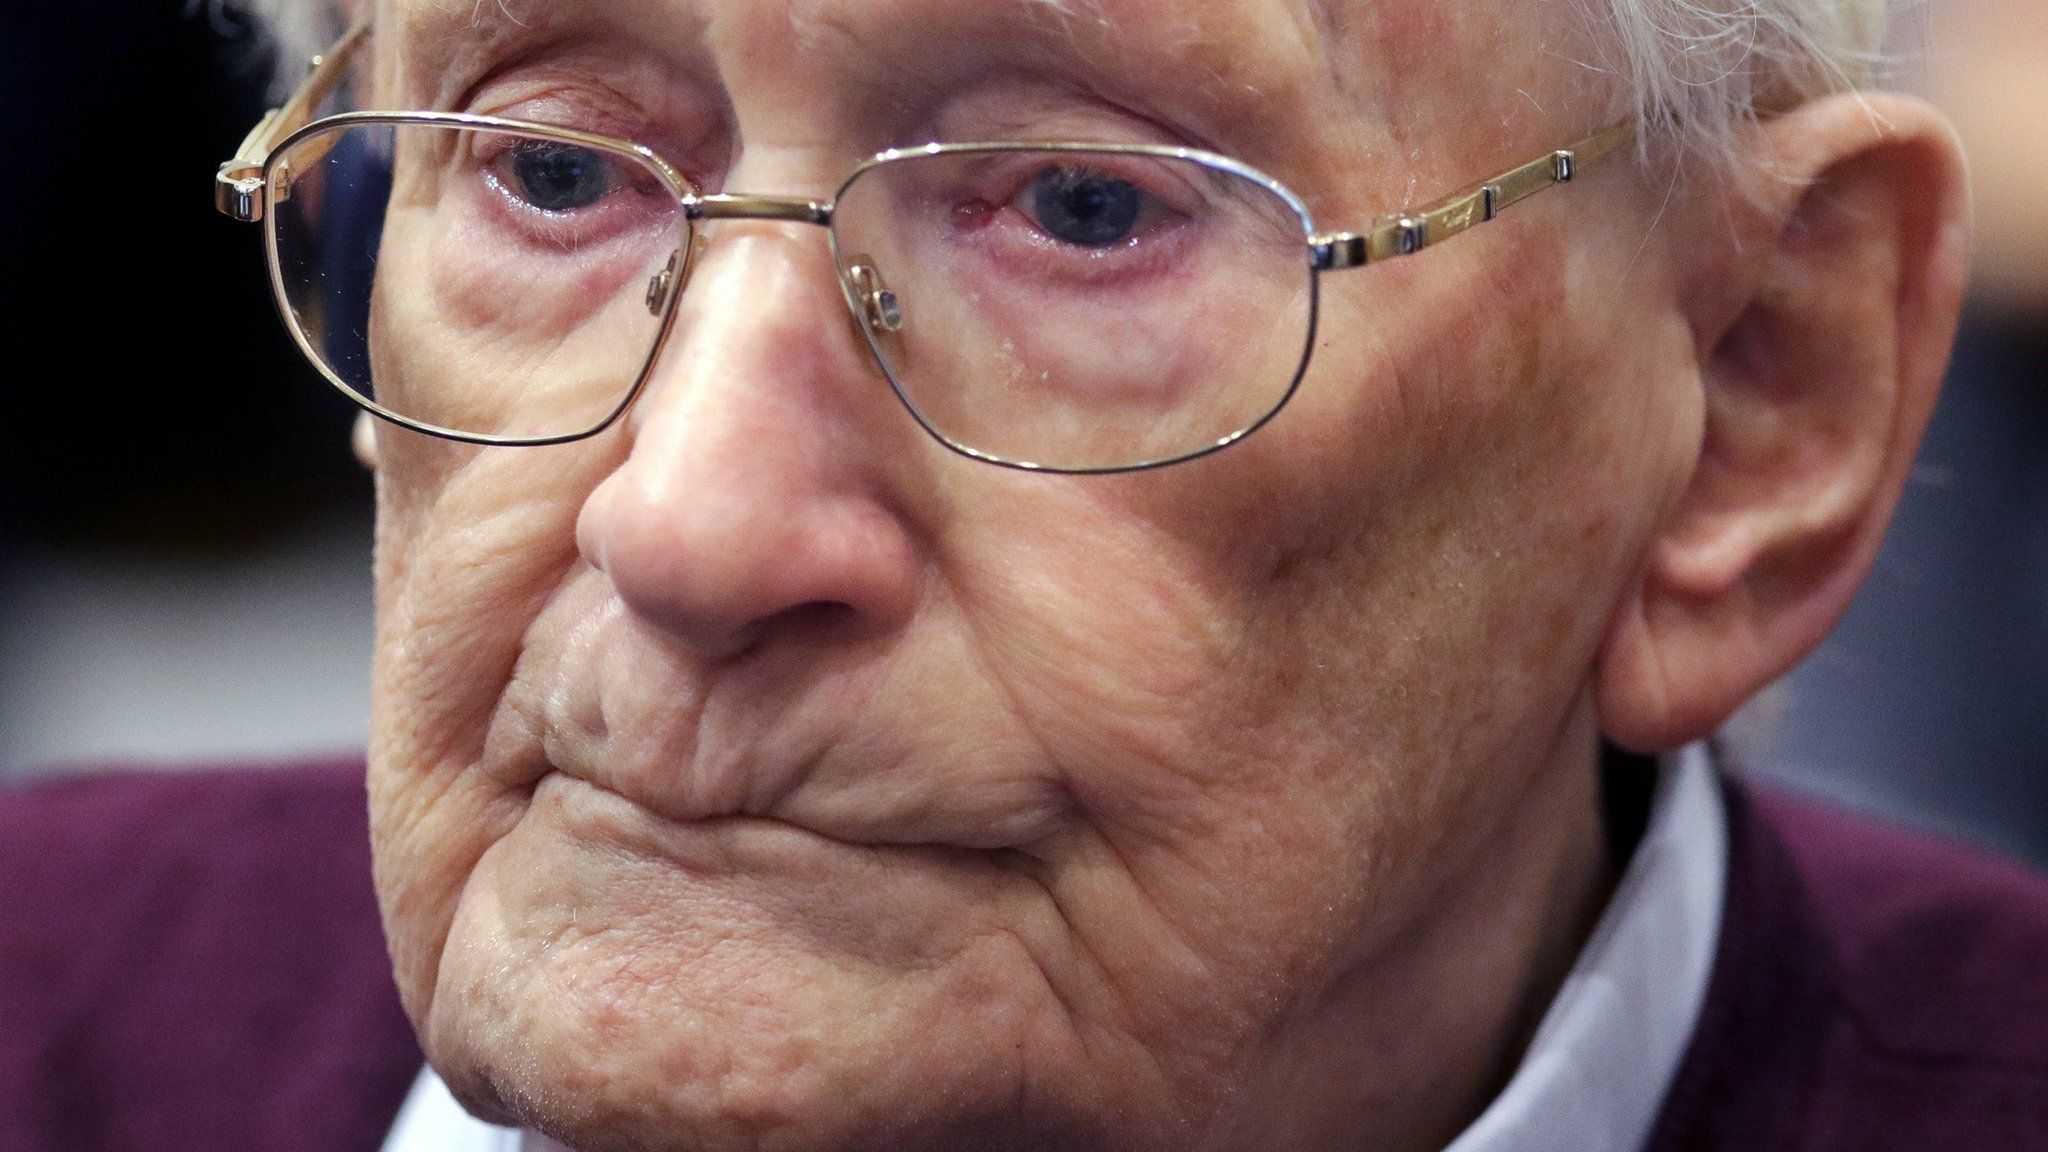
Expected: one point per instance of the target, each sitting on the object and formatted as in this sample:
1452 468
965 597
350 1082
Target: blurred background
185 538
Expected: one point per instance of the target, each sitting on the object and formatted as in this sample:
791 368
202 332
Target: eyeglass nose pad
878 307
663 286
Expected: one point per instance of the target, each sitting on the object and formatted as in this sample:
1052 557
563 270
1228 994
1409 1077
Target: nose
757 490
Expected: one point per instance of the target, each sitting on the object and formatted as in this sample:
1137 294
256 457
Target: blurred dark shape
1930 702
151 398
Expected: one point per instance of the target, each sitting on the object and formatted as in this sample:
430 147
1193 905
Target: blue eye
559 177
1085 209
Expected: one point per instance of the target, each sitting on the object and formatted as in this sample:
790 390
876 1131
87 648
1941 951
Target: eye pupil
559 177
1084 208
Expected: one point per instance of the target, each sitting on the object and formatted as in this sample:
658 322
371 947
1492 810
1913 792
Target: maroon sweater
192 963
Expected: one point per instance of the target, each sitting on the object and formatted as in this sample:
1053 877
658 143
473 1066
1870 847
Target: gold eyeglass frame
245 187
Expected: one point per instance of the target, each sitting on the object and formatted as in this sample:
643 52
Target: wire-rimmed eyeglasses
1048 305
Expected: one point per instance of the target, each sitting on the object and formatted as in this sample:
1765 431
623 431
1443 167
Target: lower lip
751 845
602 861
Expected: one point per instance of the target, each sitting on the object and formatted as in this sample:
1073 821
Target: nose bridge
756 478
762 347
749 221
757 288
764 322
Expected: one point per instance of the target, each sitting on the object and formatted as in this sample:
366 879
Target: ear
363 438
1823 323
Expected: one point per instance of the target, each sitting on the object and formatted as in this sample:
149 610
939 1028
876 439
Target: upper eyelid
642 83
579 91
615 118
630 102
1022 166
543 81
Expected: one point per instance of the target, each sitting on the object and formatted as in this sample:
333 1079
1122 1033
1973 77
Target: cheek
471 544
1476 462
474 331
1403 583
1102 634
1472 511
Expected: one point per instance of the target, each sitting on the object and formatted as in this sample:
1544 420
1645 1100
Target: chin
756 987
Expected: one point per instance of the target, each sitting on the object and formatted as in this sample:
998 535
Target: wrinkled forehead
1253 76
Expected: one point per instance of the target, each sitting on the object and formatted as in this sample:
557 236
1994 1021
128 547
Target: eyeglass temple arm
1412 230
238 186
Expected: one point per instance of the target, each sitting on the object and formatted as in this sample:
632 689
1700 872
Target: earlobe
1818 377
363 438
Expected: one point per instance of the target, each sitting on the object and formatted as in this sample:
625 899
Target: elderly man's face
761 771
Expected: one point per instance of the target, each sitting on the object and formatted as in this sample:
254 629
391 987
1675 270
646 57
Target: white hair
1699 69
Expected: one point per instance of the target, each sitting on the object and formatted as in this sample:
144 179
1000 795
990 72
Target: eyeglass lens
1066 309
485 283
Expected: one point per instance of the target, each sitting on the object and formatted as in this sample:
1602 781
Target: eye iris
1085 209
559 177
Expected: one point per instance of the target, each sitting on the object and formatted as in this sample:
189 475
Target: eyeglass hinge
1339 250
238 192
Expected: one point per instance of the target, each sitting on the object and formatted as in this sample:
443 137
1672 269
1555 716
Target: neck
1408 1046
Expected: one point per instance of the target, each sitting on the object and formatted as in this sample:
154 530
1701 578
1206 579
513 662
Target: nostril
823 620
816 617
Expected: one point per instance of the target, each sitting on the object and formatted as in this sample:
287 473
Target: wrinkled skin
758 774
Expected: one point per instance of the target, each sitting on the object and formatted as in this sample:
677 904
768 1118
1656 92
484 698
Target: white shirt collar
431 1121
1594 1076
